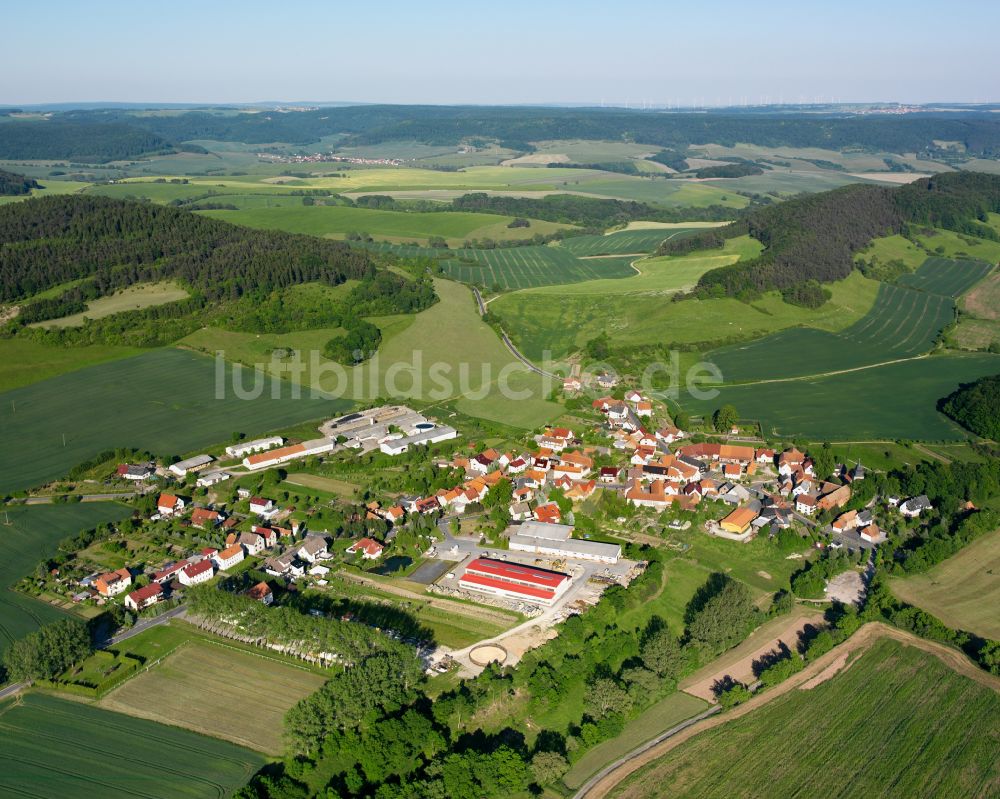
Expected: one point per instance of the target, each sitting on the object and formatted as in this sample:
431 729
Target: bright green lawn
23 361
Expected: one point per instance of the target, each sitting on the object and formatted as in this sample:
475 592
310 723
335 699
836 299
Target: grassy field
23 361
33 534
164 401
218 680
54 749
963 591
984 300
337 221
439 354
536 323
975 334
902 323
626 242
340 488
946 277
666 713
894 248
948 244
141 295
897 722
853 406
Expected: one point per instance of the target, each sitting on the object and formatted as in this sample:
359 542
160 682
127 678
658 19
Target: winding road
510 344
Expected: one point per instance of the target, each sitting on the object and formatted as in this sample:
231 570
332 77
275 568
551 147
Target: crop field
54 749
626 242
242 697
141 295
32 534
963 591
336 221
657 191
946 277
897 722
23 361
537 324
164 401
984 300
883 402
513 268
902 323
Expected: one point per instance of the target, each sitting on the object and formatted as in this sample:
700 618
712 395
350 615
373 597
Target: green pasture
56 749
948 244
29 534
891 401
164 401
897 721
23 361
894 248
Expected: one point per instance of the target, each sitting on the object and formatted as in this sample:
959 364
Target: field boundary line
860 642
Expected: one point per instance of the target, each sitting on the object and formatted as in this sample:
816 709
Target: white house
914 506
144 597
257 445
168 504
369 548
195 573
252 543
261 506
313 548
228 557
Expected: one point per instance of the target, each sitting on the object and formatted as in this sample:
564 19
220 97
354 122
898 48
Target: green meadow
23 361
164 401
30 534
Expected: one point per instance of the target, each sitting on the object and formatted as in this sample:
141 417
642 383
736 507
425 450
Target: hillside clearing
136 297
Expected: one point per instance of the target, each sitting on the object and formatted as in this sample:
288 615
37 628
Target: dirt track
821 669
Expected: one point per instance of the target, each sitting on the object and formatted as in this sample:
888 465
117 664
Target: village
498 531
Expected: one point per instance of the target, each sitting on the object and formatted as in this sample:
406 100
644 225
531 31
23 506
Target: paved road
12 689
588 786
510 344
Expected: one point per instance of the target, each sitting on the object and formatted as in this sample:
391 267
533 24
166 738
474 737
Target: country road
510 344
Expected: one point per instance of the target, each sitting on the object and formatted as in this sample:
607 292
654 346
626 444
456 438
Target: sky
713 52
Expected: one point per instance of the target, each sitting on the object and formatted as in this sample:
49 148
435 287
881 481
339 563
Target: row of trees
47 652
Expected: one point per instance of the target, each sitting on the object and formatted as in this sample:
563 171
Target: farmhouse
369 548
143 472
252 543
872 534
274 457
914 506
262 506
228 557
113 583
514 581
262 593
397 446
144 597
554 539
257 445
168 504
195 573
198 462
167 573
833 496
203 517
805 504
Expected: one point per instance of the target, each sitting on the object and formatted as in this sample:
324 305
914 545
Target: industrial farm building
514 581
427 434
274 457
555 540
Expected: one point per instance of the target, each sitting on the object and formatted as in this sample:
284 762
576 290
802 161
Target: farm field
163 401
984 299
23 361
975 334
55 749
902 323
963 591
218 680
898 721
141 295
537 324
852 406
33 534
339 488
667 713
450 337
946 277
625 242
336 221
514 268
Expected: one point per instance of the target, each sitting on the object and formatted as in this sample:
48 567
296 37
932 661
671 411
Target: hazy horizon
445 53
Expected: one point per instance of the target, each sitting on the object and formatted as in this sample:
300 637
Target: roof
167 571
191 463
230 552
367 545
194 569
275 454
259 591
740 517
140 595
115 576
166 501
506 570
204 515
805 499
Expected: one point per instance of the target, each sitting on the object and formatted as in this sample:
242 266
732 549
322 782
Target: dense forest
976 406
815 237
119 133
13 184
98 245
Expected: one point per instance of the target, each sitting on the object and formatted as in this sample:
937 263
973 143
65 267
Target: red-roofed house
548 513
262 593
203 517
229 557
167 573
369 548
168 504
113 583
195 573
144 597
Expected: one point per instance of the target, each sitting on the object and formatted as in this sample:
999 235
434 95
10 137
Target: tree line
12 184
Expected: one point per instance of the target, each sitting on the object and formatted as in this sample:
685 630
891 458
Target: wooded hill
814 238
12 183
99 245
118 133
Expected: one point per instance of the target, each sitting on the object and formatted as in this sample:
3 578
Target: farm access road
820 670
510 344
